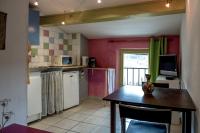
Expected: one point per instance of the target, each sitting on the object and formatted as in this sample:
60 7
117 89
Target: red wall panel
107 54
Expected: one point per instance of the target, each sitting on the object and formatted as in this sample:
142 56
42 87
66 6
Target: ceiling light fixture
36 3
63 22
168 3
99 1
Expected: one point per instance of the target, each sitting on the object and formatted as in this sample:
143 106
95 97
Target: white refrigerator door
71 89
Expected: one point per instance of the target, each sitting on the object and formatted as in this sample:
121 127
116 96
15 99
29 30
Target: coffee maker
92 62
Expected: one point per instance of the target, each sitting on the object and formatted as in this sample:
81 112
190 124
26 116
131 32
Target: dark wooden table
162 98
16 128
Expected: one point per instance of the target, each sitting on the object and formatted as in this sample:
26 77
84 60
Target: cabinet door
71 89
34 94
75 87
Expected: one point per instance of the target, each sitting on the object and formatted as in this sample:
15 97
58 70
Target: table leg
113 117
183 122
188 121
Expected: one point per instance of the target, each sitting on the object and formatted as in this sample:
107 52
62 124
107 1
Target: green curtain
157 47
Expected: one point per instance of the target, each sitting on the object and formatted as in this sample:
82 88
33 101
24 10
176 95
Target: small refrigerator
71 89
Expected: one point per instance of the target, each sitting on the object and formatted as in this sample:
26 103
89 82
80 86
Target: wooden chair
145 120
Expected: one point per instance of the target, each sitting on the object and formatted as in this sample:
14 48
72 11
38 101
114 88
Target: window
134 65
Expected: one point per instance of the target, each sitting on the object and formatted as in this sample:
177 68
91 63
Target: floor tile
78 117
94 120
102 129
102 113
84 128
65 114
87 111
91 116
66 124
76 108
39 125
71 132
51 120
56 130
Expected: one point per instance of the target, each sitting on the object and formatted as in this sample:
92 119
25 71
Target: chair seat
145 127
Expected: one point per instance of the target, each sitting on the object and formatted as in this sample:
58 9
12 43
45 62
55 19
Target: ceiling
138 26
135 26
50 7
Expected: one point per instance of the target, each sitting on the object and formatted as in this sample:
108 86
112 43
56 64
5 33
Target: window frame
128 51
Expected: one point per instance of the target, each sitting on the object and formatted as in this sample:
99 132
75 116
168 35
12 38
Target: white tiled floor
91 116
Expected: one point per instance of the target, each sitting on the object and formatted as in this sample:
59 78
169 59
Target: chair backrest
163 85
145 114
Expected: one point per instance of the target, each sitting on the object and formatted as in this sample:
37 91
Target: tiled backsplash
54 42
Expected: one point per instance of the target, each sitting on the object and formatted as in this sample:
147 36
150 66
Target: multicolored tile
56 52
46 52
74 36
60 41
40 52
69 36
51 46
46 33
46 58
46 45
65 52
51 34
61 46
65 47
60 52
65 41
45 39
34 52
69 47
61 35
51 40
51 52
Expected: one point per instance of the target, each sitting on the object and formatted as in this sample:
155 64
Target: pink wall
97 83
174 47
106 52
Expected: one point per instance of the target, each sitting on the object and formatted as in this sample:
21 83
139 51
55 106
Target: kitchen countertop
50 68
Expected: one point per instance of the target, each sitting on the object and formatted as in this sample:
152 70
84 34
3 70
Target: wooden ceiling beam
152 8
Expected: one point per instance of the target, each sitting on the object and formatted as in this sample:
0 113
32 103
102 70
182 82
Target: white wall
13 59
190 43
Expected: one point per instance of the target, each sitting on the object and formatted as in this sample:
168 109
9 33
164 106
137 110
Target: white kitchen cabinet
34 97
71 88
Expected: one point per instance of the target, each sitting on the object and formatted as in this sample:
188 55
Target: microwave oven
63 60
66 60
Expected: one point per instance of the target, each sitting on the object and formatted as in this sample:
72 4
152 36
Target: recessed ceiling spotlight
63 22
64 19
36 3
168 3
99 1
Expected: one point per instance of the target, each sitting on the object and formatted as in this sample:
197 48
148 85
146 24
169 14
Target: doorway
134 66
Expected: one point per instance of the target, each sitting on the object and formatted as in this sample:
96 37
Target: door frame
129 51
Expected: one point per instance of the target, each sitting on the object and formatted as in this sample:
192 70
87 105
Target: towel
111 80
